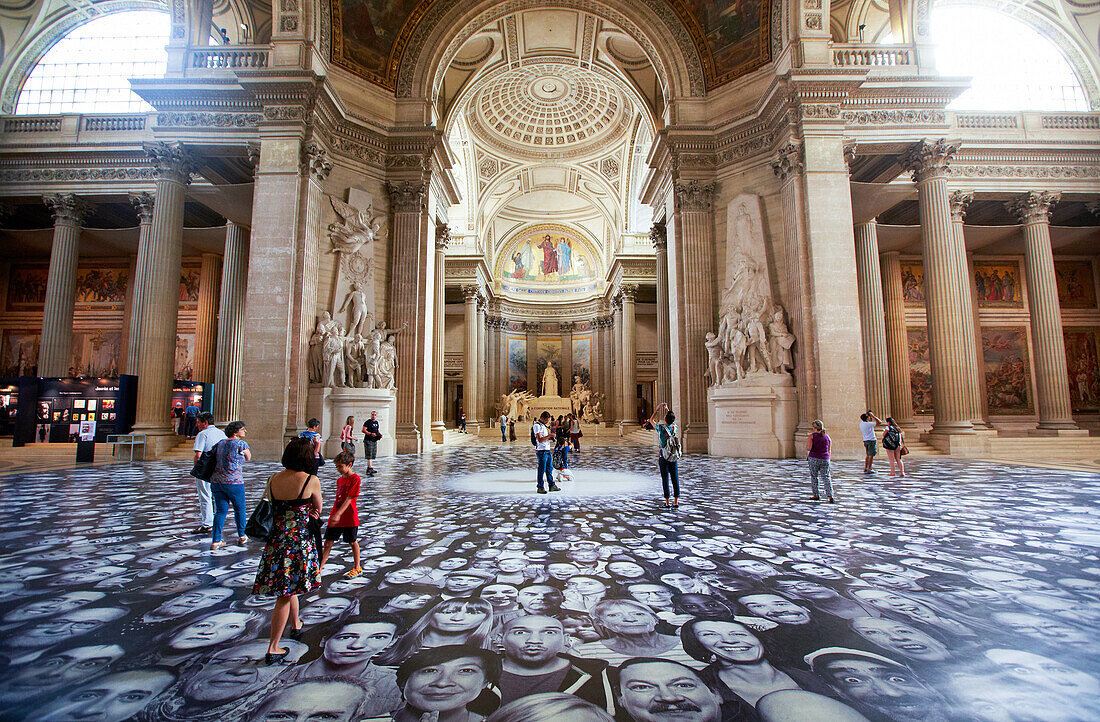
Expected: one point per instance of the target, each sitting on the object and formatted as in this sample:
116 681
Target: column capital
960 200
616 303
628 291
67 208
482 303
172 161
253 150
850 147
788 161
567 326
407 196
531 327
928 160
658 235
471 293
1034 206
442 237
143 203
315 161
693 196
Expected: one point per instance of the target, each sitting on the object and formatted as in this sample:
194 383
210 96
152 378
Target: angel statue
356 229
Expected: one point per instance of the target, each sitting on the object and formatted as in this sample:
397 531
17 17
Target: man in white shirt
544 451
867 423
504 427
208 436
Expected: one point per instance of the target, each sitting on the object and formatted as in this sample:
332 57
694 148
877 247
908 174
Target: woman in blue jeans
227 483
669 467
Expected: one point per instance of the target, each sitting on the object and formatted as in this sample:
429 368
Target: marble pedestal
753 418
556 405
334 405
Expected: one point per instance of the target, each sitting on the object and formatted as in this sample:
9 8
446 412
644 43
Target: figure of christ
549 256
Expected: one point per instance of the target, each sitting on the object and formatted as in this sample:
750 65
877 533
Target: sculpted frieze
23 175
1024 171
208 120
894 117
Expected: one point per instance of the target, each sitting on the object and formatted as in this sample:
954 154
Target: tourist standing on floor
668 452
313 433
372 432
347 436
893 440
575 432
817 444
561 441
343 522
544 451
511 430
462 422
207 438
227 483
191 419
504 427
867 423
289 565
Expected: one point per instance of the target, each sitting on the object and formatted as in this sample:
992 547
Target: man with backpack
668 452
543 441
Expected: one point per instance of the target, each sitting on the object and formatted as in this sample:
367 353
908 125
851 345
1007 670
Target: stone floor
963 592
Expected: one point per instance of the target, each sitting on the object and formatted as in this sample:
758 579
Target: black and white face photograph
587 605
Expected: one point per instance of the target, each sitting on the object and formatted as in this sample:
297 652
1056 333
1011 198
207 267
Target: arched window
87 70
1013 66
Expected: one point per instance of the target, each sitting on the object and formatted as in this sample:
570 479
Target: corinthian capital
960 200
567 326
658 235
629 291
531 326
315 161
407 196
788 161
928 160
442 236
67 208
694 196
471 293
1034 207
172 161
143 203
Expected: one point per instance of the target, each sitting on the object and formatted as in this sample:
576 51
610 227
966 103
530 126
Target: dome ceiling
549 109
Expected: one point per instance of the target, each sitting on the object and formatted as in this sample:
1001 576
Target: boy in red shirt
344 519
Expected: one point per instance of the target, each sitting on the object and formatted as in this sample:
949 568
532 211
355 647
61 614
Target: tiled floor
964 592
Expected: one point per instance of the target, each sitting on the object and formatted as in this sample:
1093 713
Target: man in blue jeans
544 450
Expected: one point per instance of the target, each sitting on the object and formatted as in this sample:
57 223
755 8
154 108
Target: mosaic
965 591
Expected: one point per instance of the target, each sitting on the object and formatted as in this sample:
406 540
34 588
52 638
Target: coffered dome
549 109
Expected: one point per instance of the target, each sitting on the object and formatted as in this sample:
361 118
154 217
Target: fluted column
975 381
629 356
442 238
482 367
230 347
897 339
944 281
159 295
664 361
55 352
566 384
143 204
206 318
1051 377
532 329
492 369
469 356
876 366
602 368
617 360
981 423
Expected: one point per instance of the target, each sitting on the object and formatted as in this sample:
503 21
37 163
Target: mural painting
998 285
189 285
736 33
548 260
27 286
517 364
549 352
19 353
185 356
96 353
912 283
582 360
1083 367
1007 371
920 371
365 33
1076 284
98 287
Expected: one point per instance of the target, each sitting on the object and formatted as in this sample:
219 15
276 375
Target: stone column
944 281
482 365
159 298
532 329
442 238
206 318
629 357
143 204
664 361
492 368
230 348
469 357
975 384
566 385
604 369
897 339
56 346
982 422
619 407
1051 376
872 319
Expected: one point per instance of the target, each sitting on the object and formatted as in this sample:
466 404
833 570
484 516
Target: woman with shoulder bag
347 435
668 452
893 440
290 563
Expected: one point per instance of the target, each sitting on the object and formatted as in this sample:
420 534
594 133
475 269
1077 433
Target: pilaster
629 357
658 235
442 238
619 407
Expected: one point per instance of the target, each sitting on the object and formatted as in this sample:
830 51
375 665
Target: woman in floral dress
289 564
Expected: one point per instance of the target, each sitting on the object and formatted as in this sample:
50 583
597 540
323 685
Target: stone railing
33 124
987 120
69 128
230 58
1072 121
847 56
109 123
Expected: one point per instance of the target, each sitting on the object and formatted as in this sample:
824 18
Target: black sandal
270 658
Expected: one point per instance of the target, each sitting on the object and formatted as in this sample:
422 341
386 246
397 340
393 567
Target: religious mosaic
27 286
1007 371
548 260
981 607
1083 367
998 285
102 287
1076 284
920 370
912 283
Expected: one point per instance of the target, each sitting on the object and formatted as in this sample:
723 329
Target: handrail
33 124
230 58
131 439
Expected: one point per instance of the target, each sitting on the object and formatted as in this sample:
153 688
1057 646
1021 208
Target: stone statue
353 368
549 380
315 360
380 370
714 358
781 340
356 303
515 404
593 413
578 396
386 368
356 229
